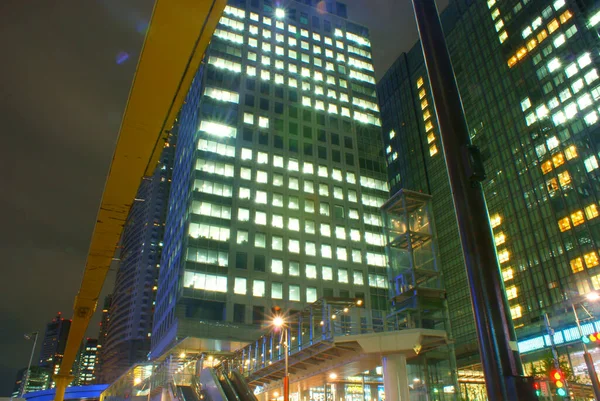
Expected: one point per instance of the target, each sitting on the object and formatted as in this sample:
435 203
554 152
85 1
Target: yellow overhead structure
177 37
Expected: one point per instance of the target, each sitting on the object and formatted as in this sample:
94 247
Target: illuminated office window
277 243
311 271
577 218
260 240
294 246
507 274
277 266
591 259
564 178
258 288
576 265
591 211
326 251
310 248
564 224
511 292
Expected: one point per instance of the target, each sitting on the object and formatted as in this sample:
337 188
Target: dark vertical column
497 341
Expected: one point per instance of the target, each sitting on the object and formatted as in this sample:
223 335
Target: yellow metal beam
177 37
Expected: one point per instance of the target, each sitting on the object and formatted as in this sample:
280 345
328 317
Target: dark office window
279 125
241 260
292 110
322 152
250 84
259 263
304 18
293 128
348 142
333 123
279 92
278 141
339 212
336 156
249 100
335 139
247 135
320 119
315 22
258 314
278 108
293 96
344 294
264 88
327 25
349 159
264 104
308 149
263 138
307 116
328 292
321 135
307 132
293 145
239 313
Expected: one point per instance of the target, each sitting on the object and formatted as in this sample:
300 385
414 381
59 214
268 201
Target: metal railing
319 324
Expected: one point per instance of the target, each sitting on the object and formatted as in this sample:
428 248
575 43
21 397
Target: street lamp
280 323
28 374
589 361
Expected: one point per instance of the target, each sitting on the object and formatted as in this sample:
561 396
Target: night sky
65 75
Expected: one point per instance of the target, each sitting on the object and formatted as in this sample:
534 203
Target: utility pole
28 373
500 358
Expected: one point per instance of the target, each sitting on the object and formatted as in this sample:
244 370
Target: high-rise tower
53 345
278 174
132 302
528 77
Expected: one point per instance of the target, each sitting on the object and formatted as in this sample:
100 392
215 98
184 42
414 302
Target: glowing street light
280 13
592 296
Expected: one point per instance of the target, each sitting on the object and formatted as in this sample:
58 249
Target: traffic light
591 338
538 390
558 378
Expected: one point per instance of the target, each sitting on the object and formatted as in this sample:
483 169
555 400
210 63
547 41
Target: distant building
53 345
103 332
127 337
85 364
38 380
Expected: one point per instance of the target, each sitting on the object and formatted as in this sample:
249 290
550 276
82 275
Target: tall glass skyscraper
278 175
528 76
126 331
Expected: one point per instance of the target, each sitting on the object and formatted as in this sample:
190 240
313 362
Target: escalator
216 385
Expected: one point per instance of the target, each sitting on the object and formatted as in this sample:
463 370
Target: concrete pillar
395 377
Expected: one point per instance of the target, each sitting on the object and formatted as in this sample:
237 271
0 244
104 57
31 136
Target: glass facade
278 175
527 71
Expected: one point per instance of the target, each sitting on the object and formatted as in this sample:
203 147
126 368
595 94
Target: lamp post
280 323
28 374
589 362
